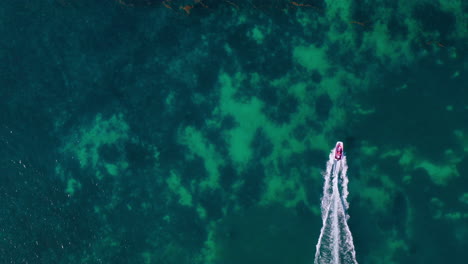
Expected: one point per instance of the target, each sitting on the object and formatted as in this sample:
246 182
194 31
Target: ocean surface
197 131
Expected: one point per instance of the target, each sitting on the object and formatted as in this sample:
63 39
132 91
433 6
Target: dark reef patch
253 186
433 19
228 177
261 145
213 202
323 106
138 156
300 132
316 76
279 104
397 28
193 169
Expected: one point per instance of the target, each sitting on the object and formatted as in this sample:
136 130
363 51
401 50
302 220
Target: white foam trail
344 182
335 243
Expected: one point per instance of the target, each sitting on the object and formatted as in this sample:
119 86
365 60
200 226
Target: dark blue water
144 131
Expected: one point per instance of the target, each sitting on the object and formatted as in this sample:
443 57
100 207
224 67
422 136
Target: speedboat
338 150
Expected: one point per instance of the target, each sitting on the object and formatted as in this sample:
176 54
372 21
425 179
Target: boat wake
335 243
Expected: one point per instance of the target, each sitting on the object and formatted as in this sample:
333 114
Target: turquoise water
144 131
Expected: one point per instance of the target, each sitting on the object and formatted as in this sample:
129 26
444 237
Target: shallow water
196 131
